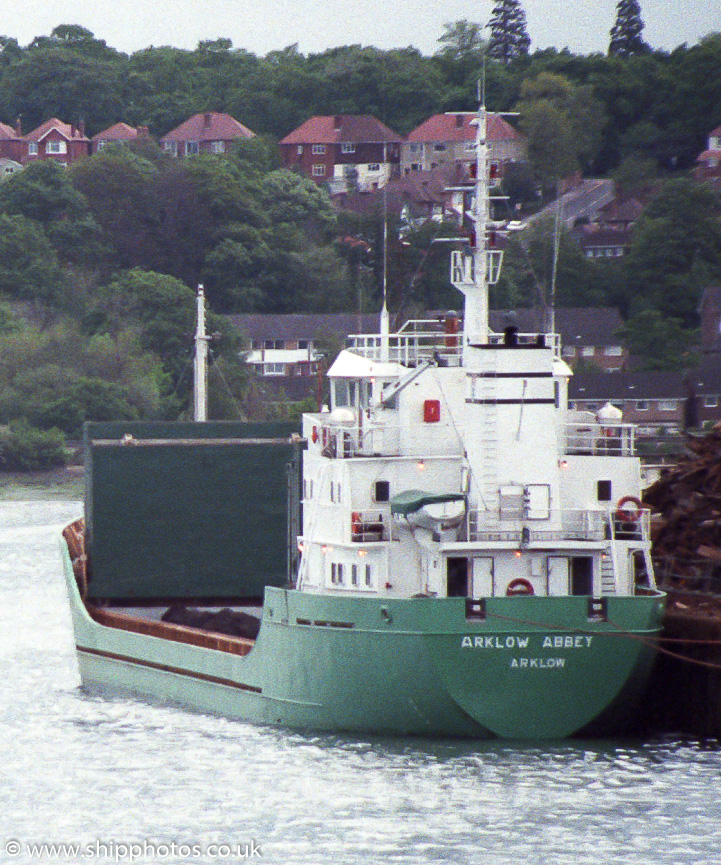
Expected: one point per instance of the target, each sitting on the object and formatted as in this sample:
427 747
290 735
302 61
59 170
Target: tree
676 250
509 37
563 125
626 36
44 193
461 39
29 267
659 341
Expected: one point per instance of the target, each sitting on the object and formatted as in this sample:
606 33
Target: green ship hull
530 668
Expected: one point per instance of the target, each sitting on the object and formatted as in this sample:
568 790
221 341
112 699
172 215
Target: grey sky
266 25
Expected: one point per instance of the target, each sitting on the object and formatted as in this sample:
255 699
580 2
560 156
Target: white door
557 575
482 577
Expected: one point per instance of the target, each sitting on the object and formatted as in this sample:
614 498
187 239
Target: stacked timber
686 501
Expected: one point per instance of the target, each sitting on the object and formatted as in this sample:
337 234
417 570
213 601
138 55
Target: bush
24 448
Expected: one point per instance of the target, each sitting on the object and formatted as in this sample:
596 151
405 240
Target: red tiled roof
709 154
447 127
338 128
209 126
7 132
65 129
716 131
117 132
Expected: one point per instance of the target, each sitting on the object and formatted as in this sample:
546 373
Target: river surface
128 781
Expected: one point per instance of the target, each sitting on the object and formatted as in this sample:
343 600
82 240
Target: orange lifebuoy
628 516
519 586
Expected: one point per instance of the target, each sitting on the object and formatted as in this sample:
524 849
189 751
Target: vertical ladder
608 574
486 389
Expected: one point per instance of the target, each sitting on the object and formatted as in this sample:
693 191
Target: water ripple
83 767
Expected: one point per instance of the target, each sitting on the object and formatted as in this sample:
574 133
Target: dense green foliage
97 262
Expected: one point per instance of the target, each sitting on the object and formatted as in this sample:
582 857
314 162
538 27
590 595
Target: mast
477 266
476 311
200 367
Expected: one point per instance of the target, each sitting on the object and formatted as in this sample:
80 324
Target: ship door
457 579
557 575
482 577
582 575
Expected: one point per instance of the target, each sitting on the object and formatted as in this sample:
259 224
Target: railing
600 439
369 526
344 441
422 339
569 525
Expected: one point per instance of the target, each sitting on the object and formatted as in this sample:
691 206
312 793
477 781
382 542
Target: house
8 167
709 162
346 151
449 139
12 146
61 142
597 242
415 197
209 132
119 133
588 334
654 401
286 351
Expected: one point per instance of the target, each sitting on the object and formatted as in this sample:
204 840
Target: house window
171 147
299 150
374 166
319 171
102 143
569 351
33 148
318 148
415 166
588 351
613 350
439 148
641 405
415 148
56 147
470 145
667 405
302 343
347 147
275 369
710 401
217 146
191 148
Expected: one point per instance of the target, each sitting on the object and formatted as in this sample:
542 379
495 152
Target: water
107 773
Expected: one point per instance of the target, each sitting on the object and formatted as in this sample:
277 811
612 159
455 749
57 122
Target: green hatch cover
410 501
190 510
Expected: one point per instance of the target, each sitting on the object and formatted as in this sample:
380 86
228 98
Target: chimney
459 120
19 127
206 120
81 128
337 121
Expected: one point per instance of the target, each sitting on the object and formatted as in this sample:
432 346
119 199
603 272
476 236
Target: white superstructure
449 463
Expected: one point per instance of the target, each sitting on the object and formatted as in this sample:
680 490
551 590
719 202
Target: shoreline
67 482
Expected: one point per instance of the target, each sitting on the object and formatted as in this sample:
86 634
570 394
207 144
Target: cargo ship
446 550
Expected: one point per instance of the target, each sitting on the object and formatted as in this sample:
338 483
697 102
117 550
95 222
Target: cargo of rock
686 501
